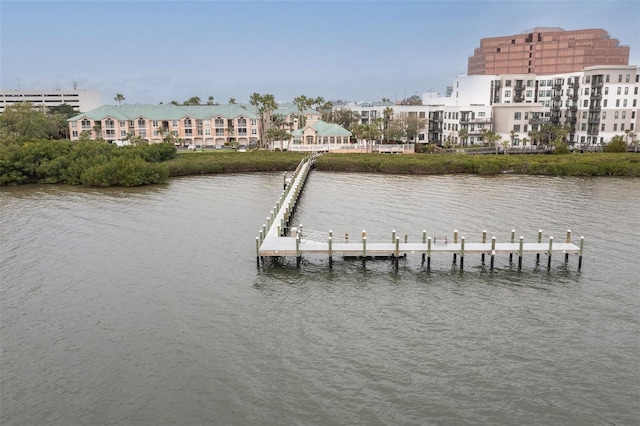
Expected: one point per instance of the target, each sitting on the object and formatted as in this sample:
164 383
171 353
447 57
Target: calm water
144 306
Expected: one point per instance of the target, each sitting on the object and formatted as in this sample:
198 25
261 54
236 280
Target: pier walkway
272 240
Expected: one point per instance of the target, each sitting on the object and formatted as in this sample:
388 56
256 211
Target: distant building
546 50
79 99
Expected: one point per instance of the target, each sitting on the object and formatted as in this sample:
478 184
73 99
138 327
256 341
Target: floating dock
273 240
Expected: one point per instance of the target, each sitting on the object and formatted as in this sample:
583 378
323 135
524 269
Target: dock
278 239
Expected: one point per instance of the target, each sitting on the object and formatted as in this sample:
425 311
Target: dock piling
461 253
550 252
484 241
429 254
513 235
455 241
424 241
580 253
520 252
539 242
566 255
493 250
330 242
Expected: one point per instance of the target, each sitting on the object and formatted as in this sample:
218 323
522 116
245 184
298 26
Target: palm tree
119 98
524 142
387 113
232 101
210 100
302 102
512 136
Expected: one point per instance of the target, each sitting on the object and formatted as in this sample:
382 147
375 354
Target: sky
158 51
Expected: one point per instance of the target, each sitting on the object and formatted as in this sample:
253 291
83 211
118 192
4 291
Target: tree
21 121
512 136
617 144
489 138
387 115
302 102
265 105
194 100
232 101
119 98
412 100
345 117
463 134
210 100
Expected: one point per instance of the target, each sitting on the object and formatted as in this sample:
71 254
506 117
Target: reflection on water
132 306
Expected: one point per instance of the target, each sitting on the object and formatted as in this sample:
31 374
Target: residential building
546 50
79 99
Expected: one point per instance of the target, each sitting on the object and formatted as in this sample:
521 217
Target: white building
79 99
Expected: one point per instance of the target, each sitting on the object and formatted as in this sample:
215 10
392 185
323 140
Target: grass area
587 164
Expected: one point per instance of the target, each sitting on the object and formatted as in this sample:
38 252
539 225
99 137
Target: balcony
482 120
571 119
595 107
572 108
539 120
592 131
596 83
518 98
593 120
596 96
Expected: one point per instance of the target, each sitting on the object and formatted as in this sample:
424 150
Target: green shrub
122 171
617 144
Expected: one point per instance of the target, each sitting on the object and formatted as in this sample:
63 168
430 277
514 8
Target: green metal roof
167 112
324 129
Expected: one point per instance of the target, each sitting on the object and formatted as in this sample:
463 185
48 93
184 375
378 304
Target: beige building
547 51
79 99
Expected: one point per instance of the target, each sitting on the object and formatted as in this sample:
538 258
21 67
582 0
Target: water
144 306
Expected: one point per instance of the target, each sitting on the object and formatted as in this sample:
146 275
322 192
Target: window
481 114
584 115
617 103
526 115
624 103
604 115
615 115
540 93
585 103
626 80
220 132
254 131
74 124
529 83
588 79
626 90
187 123
550 82
517 116
174 123
619 78
507 83
253 122
142 133
74 134
123 133
422 114
548 93
622 127
615 127
219 122
583 126
526 128
604 103
619 90
602 127
606 78
141 122
606 90
122 123
586 91
634 103
154 123
86 124
207 132
543 83
188 132
516 127
635 90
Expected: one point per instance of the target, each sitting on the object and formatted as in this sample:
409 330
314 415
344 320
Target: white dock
272 241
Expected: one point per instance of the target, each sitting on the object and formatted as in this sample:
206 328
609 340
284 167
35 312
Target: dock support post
493 250
455 241
566 255
406 240
397 251
484 241
429 254
364 247
393 236
461 253
330 241
520 251
284 180
258 252
513 236
539 242
424 241
580 254
550 247
298 251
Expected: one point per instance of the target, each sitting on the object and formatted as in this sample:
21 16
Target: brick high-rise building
549 50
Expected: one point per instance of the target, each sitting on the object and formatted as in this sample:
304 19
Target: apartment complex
202 125
79 99
546 50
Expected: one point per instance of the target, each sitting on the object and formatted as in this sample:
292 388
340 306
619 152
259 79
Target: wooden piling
298 250
455 241
566 255
520 253
284 180
539 242
397 250
393 236
330 241
550 252
513 235
258 252
484 241
493 250
580 254
461 253
429 254
424 241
